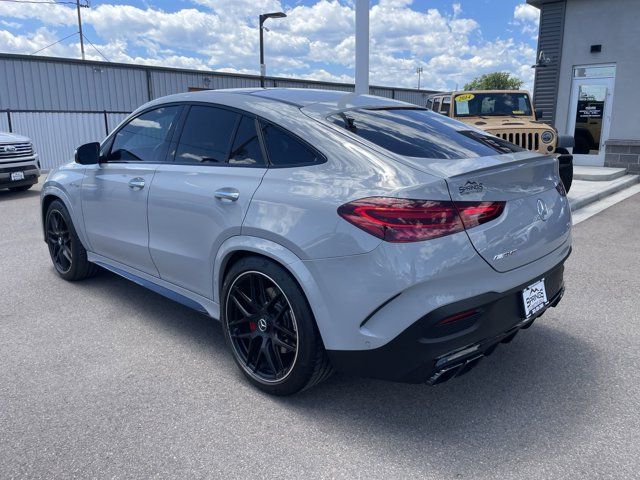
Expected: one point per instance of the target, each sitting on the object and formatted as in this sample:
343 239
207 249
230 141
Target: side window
436 104
246 145
430 104
446 106
206 135
286 150
145 138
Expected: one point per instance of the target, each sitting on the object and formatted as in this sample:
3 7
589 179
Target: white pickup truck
19 164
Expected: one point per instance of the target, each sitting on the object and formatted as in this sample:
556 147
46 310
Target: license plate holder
534 298
17 176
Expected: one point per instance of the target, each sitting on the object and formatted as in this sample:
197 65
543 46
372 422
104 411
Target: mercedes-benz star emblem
542 210
262 324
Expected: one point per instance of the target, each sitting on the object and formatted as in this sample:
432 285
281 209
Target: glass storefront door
590 114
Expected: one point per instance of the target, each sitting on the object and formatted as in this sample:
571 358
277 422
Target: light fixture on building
543 61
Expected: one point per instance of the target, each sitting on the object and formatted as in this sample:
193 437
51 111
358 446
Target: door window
436 105
589 117
446 106
285 150
145 138
206 135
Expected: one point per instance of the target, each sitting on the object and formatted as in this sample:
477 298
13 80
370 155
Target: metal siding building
63 103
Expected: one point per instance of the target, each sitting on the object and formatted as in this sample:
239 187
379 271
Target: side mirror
539 113
88 154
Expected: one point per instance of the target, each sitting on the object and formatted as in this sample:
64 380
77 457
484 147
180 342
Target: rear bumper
431 353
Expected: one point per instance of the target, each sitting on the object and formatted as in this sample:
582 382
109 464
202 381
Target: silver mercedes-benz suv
326 230
19 164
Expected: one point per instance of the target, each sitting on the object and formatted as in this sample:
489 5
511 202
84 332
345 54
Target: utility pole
362 47
419 71
80 29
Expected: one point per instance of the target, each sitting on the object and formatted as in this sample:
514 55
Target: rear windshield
420 133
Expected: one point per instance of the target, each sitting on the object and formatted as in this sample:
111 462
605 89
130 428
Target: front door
590 116
200 198
115 192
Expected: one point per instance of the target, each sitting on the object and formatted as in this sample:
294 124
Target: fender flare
53 190
285 257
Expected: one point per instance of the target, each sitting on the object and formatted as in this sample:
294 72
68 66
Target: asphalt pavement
104 379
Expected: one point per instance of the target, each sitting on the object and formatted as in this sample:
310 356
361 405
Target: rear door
115 192
200 197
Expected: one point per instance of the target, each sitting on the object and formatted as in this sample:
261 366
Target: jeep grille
526 140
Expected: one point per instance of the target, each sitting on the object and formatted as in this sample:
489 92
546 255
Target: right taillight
402 220
561 190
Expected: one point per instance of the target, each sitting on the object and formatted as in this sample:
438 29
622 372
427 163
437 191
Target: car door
115 191
200 200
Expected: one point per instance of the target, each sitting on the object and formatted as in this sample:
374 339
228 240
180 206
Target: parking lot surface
103 378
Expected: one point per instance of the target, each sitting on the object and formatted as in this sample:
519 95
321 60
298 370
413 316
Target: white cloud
314 41
527 18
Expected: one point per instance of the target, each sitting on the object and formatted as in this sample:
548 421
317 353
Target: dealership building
587 75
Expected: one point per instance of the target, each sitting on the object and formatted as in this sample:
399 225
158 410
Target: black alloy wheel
262 327
59 241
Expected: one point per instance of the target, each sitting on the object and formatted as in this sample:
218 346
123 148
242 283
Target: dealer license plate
17 176
534 298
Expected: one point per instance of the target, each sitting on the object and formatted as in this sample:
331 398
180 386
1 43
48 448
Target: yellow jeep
507 114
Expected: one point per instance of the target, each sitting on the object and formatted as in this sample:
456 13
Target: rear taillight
403 220
561 190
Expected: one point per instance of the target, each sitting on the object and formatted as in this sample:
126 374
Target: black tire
288 312
22 188
565 160
68 255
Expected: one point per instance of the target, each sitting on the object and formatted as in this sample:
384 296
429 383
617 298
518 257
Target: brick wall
623 153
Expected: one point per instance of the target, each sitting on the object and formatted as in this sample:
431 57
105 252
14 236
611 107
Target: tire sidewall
303 367
58 206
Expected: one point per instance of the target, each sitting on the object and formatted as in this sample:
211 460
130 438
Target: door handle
136 183
227 195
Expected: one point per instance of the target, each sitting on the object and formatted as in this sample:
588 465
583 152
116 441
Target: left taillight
403 220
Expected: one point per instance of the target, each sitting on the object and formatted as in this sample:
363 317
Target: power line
48 2
54 43
96 48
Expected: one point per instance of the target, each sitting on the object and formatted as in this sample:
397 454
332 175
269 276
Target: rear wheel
68 255
270 328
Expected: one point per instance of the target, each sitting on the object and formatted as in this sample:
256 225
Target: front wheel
270 328
68 255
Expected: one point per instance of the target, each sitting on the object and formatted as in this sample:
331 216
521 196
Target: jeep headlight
547 136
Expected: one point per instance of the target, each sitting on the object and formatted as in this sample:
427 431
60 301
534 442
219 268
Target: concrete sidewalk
595 183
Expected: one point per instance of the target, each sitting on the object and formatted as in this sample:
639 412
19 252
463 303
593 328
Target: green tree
494 81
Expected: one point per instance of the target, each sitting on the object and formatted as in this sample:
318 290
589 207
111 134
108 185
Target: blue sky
452 40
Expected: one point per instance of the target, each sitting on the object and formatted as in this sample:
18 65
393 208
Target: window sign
594 72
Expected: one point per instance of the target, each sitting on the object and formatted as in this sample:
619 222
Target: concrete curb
598 174
624 182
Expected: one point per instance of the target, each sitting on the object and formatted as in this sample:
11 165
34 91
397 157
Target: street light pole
362 47
419 71
263 18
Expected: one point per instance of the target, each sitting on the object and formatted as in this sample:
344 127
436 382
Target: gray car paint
344 272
